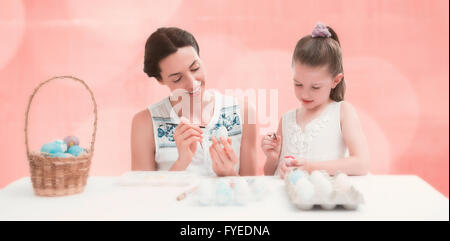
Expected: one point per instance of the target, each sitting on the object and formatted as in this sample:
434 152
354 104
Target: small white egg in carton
319 189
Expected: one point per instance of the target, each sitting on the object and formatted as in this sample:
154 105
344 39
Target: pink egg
71 141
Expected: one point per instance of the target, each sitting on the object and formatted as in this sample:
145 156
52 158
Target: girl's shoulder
347 110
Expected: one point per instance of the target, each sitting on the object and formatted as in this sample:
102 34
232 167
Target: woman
179 132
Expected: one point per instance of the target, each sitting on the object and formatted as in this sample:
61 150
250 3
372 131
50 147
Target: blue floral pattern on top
166 130
229 118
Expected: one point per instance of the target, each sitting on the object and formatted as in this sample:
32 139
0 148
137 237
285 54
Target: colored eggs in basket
75 150
63 148
71 141
54 147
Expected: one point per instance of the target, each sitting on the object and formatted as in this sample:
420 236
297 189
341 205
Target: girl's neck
316 109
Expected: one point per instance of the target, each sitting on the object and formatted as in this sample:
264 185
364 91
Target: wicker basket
58 176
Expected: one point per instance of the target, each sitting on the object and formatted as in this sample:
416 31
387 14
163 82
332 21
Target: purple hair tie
320 31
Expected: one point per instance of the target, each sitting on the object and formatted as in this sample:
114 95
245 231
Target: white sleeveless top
165 120
321 140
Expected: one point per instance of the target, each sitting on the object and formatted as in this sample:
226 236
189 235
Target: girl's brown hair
320 51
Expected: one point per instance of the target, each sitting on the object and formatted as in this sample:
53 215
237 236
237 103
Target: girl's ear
337 80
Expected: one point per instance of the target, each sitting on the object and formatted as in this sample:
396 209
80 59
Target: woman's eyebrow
170 75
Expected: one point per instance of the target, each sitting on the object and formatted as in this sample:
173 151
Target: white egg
224 193
259 188
342 183
323 188
304 189
221 132
205 192
241 191
315 176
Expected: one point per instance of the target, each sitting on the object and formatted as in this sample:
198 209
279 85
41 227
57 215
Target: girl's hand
223 159
289 163
271 147
186 137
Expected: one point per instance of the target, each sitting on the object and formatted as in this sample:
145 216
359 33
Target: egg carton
343 194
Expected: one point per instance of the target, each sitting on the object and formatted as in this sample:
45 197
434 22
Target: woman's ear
337 80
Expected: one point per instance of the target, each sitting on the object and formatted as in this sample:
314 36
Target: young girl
324 133
164 138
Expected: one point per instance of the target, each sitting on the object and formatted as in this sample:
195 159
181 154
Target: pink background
395 60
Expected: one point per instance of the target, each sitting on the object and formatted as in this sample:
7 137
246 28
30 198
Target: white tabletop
386 198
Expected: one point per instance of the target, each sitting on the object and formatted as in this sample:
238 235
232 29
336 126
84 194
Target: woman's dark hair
320 51
162 43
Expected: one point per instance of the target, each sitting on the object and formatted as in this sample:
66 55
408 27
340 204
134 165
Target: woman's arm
248 160
142 142
358 161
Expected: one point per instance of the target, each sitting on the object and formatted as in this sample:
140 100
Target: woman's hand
289 163
223 159
186 137
271 146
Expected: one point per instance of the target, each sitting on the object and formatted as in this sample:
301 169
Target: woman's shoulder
142 119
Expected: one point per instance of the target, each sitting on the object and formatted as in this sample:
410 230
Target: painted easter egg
295 175
304 189
224 193
221 132
205 192
57 146
259 188
241 191
342 182
71 141
75 150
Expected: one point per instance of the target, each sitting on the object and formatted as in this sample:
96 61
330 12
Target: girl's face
313 85
183 72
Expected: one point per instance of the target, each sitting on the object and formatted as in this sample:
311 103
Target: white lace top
321 140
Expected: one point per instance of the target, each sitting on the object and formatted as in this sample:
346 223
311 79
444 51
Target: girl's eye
299 85
316 88
193 70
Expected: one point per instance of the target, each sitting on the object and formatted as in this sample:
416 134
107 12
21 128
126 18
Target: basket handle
34 93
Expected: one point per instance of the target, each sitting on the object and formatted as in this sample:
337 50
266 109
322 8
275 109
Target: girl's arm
271 163
142 142
359 159
248 160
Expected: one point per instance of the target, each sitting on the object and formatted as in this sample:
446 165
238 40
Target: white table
386 198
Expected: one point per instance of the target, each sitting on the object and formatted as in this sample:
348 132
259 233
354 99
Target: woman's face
183 72
313 85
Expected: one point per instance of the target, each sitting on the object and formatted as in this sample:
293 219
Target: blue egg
295 175
224 193
75 150
54 147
